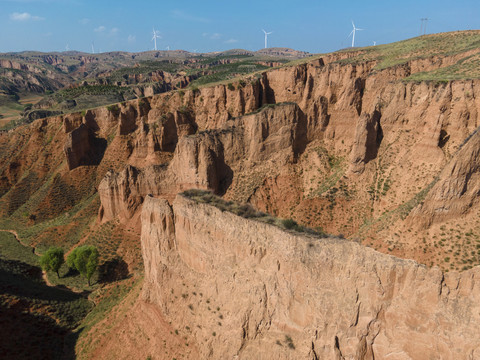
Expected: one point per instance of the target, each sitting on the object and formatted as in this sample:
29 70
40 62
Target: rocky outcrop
252 290
368 136
40 114
457 189
71 122
8 64
79 147
121 194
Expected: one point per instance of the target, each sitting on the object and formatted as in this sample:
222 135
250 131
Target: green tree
84 259
52 260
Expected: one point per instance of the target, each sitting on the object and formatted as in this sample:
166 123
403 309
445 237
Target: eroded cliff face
329 143
456 190
251 290
335 145
208 160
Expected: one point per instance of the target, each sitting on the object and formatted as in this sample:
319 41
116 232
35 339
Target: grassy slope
460 44
424 47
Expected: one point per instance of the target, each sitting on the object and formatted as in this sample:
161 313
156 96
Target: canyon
340 143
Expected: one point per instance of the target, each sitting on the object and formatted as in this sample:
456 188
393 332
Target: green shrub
230 87
84 259
114 109
52 260
289 224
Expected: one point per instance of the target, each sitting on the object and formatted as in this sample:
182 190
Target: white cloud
84 21
101 28
215 36
182 15
114 31
231 41
131 39
24 17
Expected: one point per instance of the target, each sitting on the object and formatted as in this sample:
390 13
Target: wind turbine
266 35
93 48
374 43
168 47
353 32
423 26
156 36
67 48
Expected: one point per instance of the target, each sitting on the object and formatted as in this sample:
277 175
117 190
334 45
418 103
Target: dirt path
44 273
16 236
45 278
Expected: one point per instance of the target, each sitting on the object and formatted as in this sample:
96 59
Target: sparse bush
230 87
183 109
289 223
289 342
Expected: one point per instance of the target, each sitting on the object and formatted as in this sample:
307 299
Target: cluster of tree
84 259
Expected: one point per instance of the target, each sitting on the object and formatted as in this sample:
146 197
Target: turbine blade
351 33
359 29
353 24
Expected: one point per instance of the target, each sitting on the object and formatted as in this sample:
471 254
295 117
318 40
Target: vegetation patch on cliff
247 211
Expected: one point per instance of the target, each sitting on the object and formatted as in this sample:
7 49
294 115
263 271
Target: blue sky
313 26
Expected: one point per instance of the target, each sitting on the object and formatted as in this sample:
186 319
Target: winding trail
44 273
17 238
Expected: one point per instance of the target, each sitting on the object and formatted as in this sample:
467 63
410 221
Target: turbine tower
423 26
93 48
156 36
266 36
353 32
